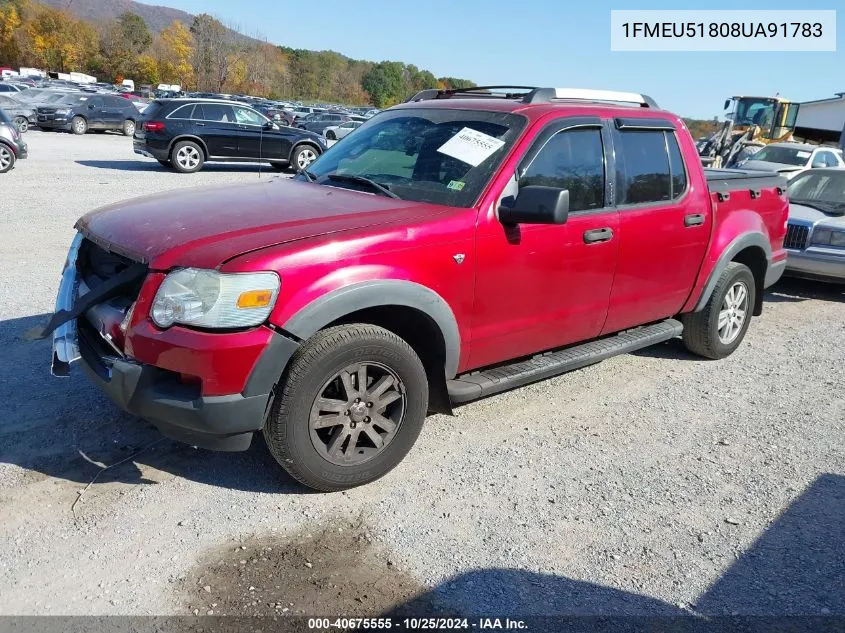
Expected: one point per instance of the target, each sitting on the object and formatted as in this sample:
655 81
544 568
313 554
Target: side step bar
478 384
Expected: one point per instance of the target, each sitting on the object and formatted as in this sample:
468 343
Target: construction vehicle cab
751 123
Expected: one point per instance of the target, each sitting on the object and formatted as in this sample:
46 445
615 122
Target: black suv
81 112
186 133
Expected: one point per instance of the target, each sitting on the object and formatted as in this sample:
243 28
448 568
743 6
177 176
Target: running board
478 384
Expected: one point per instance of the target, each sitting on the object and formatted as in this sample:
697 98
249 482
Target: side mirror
535 204
818 162
91 106
269 125
727 104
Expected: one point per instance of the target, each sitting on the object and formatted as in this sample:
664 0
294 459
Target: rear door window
217 112
650 167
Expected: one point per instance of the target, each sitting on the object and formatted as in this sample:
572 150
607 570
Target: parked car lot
644 481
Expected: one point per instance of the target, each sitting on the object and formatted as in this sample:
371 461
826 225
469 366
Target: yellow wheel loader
752 123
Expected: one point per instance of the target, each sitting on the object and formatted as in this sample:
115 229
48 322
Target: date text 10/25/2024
416 624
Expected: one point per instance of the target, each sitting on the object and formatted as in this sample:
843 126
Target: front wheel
22 124
7 158
79 125
303 156
717 330
350 408
331 136
128 127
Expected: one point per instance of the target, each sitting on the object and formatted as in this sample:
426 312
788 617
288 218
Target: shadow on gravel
792 289
790 579
149 165
67 429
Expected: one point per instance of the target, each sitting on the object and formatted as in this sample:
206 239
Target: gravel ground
650 483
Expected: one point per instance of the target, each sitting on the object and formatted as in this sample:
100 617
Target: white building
822 120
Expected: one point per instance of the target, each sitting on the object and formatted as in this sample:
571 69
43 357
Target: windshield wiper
363 181
308 175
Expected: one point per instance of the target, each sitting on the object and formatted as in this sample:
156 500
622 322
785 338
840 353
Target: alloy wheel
5 157
305 158
357 413
188 157
733 313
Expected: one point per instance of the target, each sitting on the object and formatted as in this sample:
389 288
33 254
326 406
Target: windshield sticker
455 185
470 146
804 154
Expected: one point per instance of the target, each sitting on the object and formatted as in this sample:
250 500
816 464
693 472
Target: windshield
426 155
784 155
827 187
755 112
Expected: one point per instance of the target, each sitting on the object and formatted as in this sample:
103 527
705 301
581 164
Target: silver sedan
815 236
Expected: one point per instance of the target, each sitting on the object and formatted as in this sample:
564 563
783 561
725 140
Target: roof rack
530 94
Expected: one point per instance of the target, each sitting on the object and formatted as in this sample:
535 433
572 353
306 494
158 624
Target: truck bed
725 180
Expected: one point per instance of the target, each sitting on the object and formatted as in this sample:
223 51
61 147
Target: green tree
385 83
457 84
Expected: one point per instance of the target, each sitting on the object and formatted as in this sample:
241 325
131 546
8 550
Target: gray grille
796 236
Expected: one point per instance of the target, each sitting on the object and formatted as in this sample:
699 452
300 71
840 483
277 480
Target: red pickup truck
454 246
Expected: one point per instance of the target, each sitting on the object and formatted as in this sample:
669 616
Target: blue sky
540 42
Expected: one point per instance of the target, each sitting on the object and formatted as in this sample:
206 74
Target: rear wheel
7 158
79 125
330 135
187 157
22 124
128 127
350 408
717 330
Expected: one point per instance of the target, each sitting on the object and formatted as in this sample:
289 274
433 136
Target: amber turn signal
255 299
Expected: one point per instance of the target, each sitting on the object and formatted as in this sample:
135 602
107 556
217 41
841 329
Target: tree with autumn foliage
56 40
173 51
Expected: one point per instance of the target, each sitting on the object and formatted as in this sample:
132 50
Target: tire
22 124
187 157
7 158
303 155
79 125
128 127
303 447
702 334
166 163
331 136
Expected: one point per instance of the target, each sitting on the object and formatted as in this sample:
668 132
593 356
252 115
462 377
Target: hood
207 227
811 215
764 165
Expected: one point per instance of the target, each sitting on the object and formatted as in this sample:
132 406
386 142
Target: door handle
598 235
199 124
694 219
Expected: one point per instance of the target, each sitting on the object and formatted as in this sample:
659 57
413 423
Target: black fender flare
305 141
739 243
383 292
188 137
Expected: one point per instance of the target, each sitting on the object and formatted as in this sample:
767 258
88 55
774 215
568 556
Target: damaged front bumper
66 337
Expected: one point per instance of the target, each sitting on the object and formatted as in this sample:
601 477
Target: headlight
828 237
837 238
63 111
207 298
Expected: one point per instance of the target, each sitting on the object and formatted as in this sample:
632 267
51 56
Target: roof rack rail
475 91
531 94
547 95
